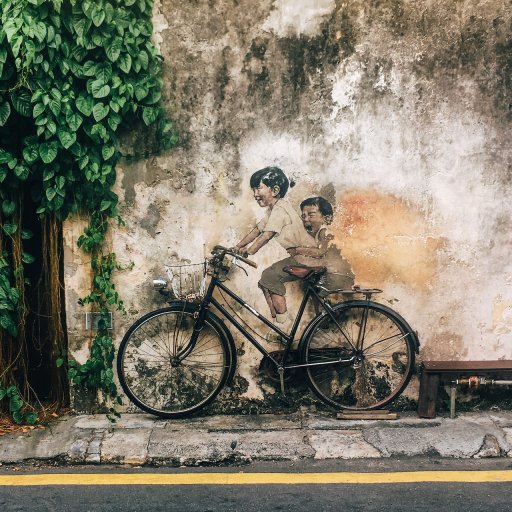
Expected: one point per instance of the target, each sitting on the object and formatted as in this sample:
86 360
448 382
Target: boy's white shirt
285 221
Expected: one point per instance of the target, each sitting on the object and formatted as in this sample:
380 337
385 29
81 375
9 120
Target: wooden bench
434 372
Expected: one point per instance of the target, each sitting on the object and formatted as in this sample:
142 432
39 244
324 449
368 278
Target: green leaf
11 26
39 108
17 416
5 156
105 205
61 181
48 152
142 58
31 153
22 172
48 174
51 127
74 120
10 228
150 114
99 90
141 91
31 417
98 16
8 207
107 152
100 111
89 68
12 391
104 72
113 50
40 31
125 62
55 106
50 193
3 393
26 234
5 112
21 102
66 139
10 326
84 104
27 258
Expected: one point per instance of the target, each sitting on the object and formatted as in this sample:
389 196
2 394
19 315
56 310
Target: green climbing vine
73 75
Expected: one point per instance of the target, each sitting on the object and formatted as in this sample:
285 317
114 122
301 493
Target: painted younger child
280 222
317 215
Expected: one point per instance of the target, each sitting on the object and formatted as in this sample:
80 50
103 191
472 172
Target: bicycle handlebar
225 250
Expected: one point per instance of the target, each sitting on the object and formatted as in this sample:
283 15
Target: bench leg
429 384
453 392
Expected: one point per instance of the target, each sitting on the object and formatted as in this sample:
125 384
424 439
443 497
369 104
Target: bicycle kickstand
282 396
280 370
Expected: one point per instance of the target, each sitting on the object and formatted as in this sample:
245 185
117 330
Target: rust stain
385 239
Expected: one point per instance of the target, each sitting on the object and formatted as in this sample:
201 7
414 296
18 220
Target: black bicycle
174 361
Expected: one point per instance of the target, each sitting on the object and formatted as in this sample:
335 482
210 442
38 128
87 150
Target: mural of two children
306 239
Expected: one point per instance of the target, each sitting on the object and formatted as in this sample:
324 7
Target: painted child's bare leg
283 316
268 298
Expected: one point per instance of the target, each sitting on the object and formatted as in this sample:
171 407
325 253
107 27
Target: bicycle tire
149 379
383 364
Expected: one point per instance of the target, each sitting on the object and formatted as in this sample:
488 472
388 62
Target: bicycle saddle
303 272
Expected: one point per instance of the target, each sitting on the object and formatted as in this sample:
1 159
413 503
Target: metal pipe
475 381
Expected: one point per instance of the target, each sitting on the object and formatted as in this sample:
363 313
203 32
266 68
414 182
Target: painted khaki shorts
274 278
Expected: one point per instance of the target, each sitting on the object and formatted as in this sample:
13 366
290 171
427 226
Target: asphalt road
237 488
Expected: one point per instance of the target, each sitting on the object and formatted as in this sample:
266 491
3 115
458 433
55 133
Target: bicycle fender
219 323
309 328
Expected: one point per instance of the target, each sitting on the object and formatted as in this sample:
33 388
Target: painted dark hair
324 206
272 177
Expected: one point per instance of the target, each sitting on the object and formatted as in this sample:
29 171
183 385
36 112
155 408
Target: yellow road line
254 478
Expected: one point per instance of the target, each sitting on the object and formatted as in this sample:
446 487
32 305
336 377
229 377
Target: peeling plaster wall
397 111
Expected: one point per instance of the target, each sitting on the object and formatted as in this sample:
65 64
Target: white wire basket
187 282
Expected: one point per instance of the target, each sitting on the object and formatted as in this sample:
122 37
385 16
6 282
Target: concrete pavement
140 439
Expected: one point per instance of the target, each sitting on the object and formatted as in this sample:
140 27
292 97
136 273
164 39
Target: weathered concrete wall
397 111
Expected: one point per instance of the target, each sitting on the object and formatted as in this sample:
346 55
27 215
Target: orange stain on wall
385 239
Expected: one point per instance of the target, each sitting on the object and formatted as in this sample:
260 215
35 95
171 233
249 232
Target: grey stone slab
332 423
452 438
135 421
341 444
194 447
507 431
190 447
97 421
501 418
128 446
65 444
275 445
241 422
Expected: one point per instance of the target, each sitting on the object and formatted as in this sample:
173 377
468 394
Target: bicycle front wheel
362 360
158 382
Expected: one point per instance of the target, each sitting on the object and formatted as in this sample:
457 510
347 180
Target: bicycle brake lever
235 261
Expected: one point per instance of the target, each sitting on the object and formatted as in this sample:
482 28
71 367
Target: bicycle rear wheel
156 382
378 349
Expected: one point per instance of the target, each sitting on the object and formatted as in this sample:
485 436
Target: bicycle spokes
381 357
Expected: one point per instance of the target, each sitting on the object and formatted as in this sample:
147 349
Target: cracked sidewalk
139 439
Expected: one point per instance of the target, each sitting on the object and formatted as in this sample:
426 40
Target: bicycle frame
208 299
